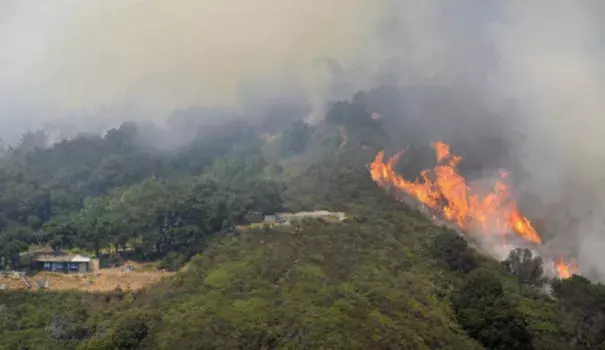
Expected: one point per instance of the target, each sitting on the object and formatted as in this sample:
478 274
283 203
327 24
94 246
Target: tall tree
526 267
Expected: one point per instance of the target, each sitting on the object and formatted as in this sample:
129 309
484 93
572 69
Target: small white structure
64 263
287 218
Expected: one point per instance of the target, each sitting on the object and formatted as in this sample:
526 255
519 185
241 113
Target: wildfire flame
445 191
565 269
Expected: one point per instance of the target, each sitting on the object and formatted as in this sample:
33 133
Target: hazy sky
157 55
101 61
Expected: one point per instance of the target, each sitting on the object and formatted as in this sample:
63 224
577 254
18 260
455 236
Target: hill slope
386 277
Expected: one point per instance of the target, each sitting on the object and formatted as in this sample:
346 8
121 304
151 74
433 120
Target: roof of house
311 213
63 258
80 258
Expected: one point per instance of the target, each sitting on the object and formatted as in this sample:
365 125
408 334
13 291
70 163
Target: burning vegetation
448 195
564 268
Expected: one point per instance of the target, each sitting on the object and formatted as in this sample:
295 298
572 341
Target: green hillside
385 278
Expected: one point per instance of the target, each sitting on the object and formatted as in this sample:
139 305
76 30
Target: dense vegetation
97 193
386 277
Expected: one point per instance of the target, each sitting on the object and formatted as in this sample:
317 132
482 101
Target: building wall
83 268
64 267
284 218
315 216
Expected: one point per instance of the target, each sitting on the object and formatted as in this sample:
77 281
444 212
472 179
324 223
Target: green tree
527 268
14 239
451 248
581 305
93 224
488 315
60 232
295 139
131 330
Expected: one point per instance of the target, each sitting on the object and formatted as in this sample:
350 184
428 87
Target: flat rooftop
62 258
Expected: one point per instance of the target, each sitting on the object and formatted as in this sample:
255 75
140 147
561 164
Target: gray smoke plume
156 56
543 58
550 64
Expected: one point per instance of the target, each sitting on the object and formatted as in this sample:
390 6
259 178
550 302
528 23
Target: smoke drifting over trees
156 56
534 67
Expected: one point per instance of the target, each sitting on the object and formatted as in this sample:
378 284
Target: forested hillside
385 278
112 192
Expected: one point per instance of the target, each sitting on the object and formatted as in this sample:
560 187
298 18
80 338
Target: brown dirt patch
104 280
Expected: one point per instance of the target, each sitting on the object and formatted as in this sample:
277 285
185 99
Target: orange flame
565 269
446 191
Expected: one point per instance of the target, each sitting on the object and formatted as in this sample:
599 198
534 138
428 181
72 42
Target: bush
114 260
61 328
582 306
488 315
130 332
173 261
452 249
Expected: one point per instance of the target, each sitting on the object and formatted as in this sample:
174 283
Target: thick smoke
538 65
550 64
156 56
534 65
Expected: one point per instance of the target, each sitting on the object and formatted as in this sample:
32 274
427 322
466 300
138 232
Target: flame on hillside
565 269
447 193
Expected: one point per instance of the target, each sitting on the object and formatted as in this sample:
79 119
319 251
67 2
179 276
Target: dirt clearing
103 280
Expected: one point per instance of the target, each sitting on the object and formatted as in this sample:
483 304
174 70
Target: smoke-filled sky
551 64
65 56
100 61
